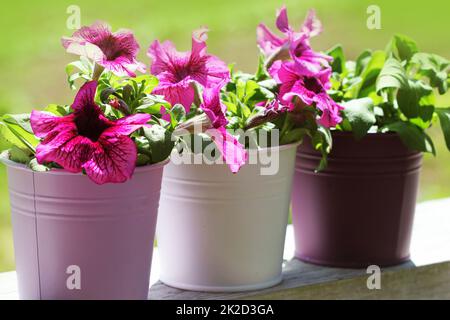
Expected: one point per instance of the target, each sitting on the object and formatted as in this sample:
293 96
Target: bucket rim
20 166
283 147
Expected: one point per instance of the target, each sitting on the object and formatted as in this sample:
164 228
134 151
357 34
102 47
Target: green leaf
408 97
392 76
245 90
444 118
362 61
295 135
142 160
337 53
230 106
323 142
16 130
177 114
261 72
22 120
81 69
251 88
425 117
35 166
413 137
19 155
402 47
434 67
57 110
160 143
369 75
152 105
360 116
147 82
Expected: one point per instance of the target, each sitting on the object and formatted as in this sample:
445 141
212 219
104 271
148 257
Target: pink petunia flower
294 44
178 72
87 140
115 52
232 151
309 89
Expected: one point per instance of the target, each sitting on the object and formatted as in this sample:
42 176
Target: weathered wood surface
426 276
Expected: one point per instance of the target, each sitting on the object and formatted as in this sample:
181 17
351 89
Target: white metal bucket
224 232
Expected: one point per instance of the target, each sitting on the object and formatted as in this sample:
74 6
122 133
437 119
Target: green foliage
433 67
322 141
80 69
15 130
160 144
402 47
409 97
19 155
337 53
444 117
131 95
369 74
360 115
392 76
412 136
392 91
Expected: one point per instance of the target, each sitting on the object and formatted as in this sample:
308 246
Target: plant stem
98 70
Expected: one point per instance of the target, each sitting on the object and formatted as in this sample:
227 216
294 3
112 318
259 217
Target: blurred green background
32 60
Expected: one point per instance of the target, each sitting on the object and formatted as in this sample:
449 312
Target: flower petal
213 107
67 149
128 125
124 43
123 67
232 151
330 111
217 72
312 25
282 21
43 123
85 42
267 40
115 52
181 92
199 38
162 55
177 71
85 98
307 60
113 160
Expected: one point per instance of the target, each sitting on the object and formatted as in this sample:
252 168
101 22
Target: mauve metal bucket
224 232
359 211
63 221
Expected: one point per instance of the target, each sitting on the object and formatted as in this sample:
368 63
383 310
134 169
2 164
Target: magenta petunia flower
232 151
293 44
179 71
309 89
87 140
116 52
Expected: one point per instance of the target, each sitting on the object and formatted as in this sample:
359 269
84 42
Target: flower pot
358 211
74 239
224 232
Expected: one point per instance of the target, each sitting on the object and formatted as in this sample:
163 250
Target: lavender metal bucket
74 239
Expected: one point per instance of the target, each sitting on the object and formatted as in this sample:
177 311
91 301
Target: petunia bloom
310 90
87 140
293 44
179 72
232 151
115 52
